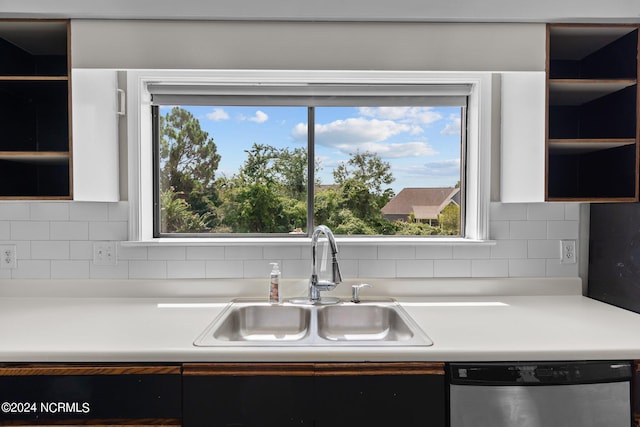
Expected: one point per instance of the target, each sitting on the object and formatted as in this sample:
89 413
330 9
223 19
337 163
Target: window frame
140 149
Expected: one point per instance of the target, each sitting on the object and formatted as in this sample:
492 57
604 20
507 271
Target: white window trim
139 137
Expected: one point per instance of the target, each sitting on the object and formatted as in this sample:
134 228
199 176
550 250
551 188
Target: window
254 156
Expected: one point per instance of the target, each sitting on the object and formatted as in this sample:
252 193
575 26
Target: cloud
394 150
413 115
259 117
351 131
217 115
453 126
449 167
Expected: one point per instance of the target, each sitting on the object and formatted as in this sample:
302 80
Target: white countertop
40 324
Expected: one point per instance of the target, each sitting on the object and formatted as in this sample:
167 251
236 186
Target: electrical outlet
104 253
8 257
567 251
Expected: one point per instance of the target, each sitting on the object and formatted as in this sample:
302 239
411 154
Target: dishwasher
541 394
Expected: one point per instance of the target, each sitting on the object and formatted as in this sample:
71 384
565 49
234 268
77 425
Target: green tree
260 197
449 219
188 161
177 217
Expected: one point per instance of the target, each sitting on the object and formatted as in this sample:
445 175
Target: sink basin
264 323
362 323
258 323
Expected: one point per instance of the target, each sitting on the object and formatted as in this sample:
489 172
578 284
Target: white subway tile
545 211
23 249
186 269
49 249
563 230
72 230
490 268
376 268
257 269
205 253
293 269
70 269
543 249
572 211
527 268
14 211
471 252
174 253
81 250
112 231
118 211
498 230
396 252
434 252
286 252
30 230
132 252
349 268
147 269
509 249
414 268
452 268
87 211
243 252
224 269
5 230
118 271
32 269
357 252
507 211
50 211
528 230
556 269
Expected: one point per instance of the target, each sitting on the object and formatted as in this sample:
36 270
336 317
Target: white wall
352 10
55 241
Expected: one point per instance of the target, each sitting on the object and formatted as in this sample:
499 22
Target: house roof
424 203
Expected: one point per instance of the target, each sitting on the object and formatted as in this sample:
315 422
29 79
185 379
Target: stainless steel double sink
367 323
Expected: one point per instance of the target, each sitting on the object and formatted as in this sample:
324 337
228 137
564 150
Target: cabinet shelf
582 91
40 157
592 113
35 158
575 146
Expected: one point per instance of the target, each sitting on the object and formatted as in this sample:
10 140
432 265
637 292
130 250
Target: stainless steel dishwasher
545 394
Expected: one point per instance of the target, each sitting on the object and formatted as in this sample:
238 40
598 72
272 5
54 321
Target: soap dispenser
274 285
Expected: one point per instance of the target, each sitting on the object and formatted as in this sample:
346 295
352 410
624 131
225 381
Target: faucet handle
355 291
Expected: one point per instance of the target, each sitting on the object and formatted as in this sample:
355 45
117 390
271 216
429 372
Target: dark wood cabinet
96 395
35 159
318 394
592 141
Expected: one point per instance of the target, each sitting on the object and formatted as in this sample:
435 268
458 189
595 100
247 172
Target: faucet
316 286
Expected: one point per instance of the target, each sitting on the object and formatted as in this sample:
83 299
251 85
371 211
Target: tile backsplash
55 240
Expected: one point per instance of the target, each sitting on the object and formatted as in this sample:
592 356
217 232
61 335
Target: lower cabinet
94 395
314 394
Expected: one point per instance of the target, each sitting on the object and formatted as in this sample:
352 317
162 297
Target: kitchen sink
264 323
362 323
258 323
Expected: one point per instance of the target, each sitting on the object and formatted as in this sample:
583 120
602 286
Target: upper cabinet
35 160
592 113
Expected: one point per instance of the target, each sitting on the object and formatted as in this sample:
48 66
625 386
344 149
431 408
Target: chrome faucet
316 286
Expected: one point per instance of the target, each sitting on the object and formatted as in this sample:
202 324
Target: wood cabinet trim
313 369
88 370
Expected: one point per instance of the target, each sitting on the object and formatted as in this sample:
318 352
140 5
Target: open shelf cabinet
35 159
592 113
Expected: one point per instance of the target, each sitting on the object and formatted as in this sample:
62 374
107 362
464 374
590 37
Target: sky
422 144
